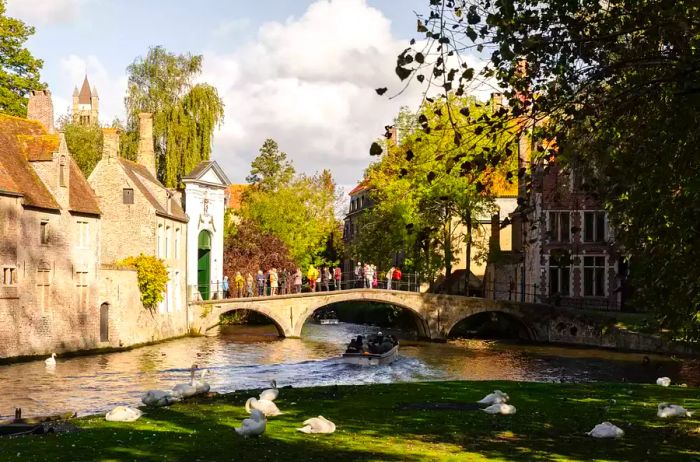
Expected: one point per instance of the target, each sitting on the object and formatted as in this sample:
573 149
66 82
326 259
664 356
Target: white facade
205 205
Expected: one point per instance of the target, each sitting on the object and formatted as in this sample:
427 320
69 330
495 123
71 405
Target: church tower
85 104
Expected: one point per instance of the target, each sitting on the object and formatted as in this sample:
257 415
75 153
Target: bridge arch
280 324
511 315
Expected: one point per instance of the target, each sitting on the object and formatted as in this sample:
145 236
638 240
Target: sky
300 72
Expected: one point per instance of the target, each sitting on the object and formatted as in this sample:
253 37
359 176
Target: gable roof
138 174
200 170
81 197
85 95
364 184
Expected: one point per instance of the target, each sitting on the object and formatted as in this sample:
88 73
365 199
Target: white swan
271 393
253 426
500 408
317 425
186 390
123 414
51 361
159 398
202 386
497 397
663 381
606 430
672 410
266 406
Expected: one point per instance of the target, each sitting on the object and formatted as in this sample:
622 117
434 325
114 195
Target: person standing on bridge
273 281
389 275
369 276
397 278
312 276
297 281
240 283
260 280
249 285
326 278
337 276
224 287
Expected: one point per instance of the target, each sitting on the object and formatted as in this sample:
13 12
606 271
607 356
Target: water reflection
250 356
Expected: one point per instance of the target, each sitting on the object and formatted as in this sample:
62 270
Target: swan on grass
271 393
50 362
202 386
186 390
497 397
123 414
267 407
158 398
252 426
672 410
317 425
500 408
663 381
606 430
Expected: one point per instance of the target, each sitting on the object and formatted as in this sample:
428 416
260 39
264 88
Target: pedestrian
312 276
397 278
389 275
260 280
325 278
282 282
375 276
249 285
369 276
274 279
358 275
239 283
224 286
297 281
337 276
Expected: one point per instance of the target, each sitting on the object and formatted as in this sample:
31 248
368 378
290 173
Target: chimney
110 145
146 155
40 107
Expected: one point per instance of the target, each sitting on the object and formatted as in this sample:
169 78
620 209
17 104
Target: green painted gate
204 264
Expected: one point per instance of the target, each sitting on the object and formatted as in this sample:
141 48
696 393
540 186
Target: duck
186 390
663 381
271 393
123 414
267 407
500 408
254 425
672 410
202 386
158 398
317 425
497 397
606 430
50 362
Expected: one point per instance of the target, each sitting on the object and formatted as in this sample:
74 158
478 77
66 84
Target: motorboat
325 322
326 318
374 350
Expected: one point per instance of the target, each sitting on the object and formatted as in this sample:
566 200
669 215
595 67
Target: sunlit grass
374 422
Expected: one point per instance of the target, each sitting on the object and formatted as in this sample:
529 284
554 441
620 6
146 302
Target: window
593 226
159 240
43 283
177 242
559 273
83 233
44 232
176 289
9 276
559 227
128 195
62 175
167 242
594 276
81 285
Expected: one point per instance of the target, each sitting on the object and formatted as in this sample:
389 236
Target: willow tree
185 113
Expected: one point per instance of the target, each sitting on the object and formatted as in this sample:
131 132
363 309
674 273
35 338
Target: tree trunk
468 270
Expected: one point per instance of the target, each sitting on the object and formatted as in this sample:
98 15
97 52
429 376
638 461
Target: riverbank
407 421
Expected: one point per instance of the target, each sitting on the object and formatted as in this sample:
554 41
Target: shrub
152 277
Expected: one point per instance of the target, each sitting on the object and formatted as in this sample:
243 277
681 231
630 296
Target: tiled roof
202 168
81 197
38 147
364 184
138 174
22 177
234 195
85 93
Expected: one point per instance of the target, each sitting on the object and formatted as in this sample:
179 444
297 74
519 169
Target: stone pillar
146 154
40 107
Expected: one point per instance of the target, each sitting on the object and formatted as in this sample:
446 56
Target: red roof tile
81 197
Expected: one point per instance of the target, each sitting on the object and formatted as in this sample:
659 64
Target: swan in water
672 410
663 381
500 408
606 430
186 390
267 407
200 385
50 362
271 393
317 425
497 397
160 398
253 426
123 414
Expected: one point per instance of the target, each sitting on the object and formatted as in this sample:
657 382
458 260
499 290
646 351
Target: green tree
617 84
270 170
185 113
84 143
19 70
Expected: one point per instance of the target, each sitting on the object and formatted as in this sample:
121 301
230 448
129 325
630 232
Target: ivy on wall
152 278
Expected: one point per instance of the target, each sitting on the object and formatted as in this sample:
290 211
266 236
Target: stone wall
129 322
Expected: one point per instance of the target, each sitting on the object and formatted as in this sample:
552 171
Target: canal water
245 357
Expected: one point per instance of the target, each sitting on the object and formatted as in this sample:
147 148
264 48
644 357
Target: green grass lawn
393 422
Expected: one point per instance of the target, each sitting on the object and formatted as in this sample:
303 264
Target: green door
204 264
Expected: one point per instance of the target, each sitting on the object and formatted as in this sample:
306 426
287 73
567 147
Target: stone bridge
436 314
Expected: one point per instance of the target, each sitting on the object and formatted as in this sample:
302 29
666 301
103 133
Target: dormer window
62 173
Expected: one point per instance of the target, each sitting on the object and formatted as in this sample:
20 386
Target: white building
205 206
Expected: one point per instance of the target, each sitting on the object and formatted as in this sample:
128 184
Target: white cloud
43 12
309 84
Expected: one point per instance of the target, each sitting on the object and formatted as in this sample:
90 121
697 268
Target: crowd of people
325 278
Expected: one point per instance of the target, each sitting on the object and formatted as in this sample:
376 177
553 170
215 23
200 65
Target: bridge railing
217 290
